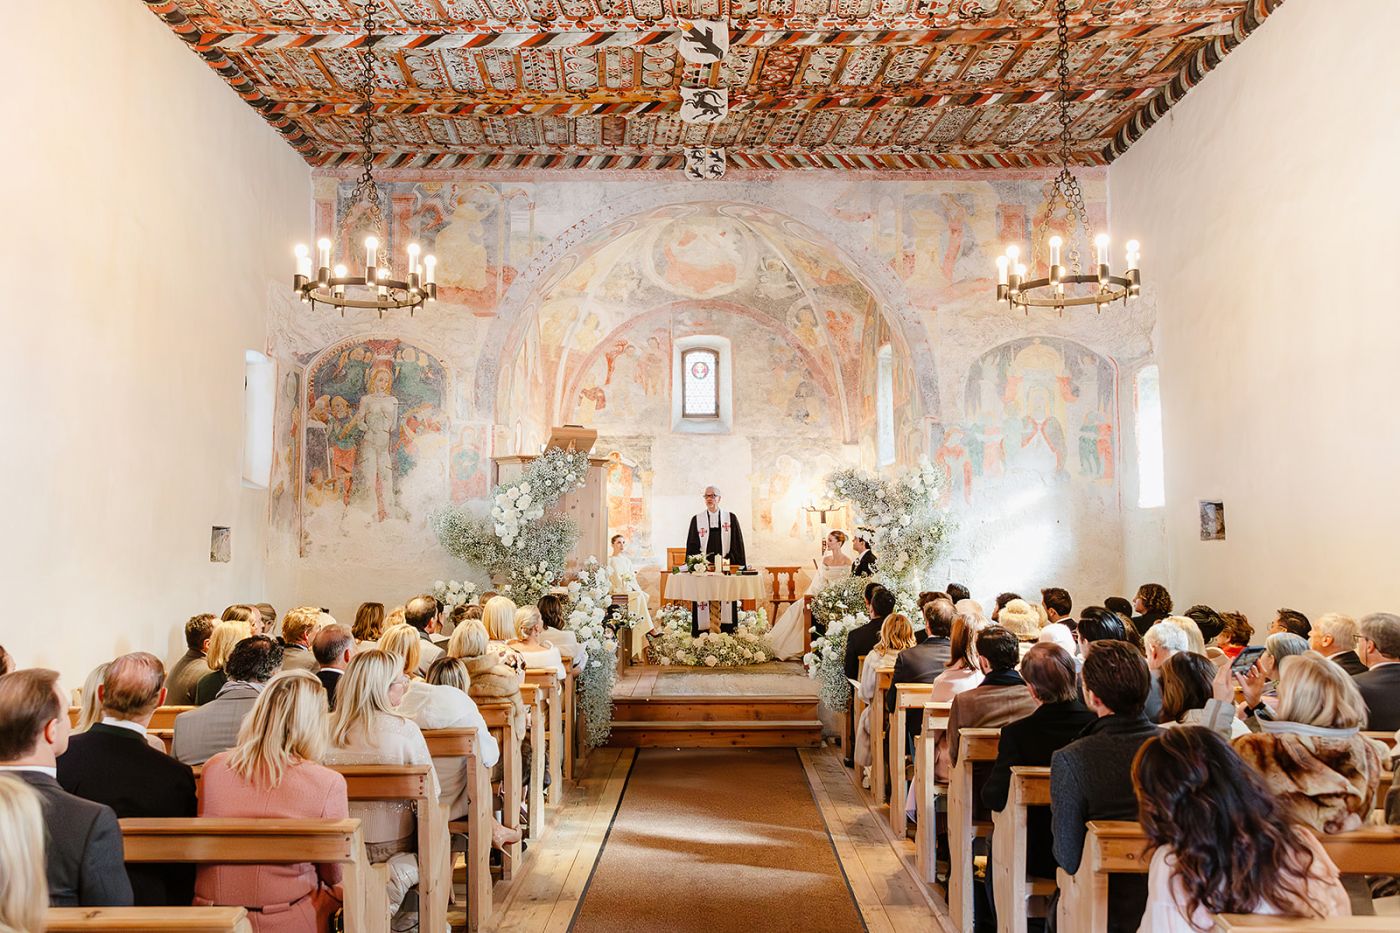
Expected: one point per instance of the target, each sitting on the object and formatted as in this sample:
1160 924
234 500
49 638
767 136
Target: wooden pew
552 695
907 697
1254 923
883 677
1116 847
533 695
498 714
398 783
461 743
212 840
927 790
569 751
148 919
162 718
975 745
1030 787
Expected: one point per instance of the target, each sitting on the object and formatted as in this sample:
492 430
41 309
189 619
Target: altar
746 589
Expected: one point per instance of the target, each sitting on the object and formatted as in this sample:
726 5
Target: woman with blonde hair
243 612
499 618
529 632
896 634
274 772
24 889
366 729
221 641
369 624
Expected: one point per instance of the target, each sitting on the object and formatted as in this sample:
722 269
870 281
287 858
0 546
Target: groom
864 565
715 531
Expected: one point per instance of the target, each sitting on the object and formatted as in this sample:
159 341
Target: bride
835 565
624 580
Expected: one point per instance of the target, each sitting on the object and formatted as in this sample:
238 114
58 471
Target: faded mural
562 301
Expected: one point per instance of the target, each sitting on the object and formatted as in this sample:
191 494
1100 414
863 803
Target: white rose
711 660
524 487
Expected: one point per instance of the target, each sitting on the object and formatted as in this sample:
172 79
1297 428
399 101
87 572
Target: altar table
745 589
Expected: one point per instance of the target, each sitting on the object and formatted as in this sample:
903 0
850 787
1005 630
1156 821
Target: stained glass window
700 383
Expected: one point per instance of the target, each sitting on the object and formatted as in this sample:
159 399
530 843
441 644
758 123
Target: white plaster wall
130 171
1266 204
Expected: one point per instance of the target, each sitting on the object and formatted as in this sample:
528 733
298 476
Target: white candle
1021 269
1013 255
1101 241
303 261
1002 265
371 251
340 273
429 267
1133 256
413 259
1055 244
323 253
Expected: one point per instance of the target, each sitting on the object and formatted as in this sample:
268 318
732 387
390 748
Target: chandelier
332 284
1097 287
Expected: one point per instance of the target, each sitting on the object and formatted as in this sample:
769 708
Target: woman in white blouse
1223 843
538 654
366 730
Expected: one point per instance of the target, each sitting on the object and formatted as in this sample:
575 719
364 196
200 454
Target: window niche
259 384
702 386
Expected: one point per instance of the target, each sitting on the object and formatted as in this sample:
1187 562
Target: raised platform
764 706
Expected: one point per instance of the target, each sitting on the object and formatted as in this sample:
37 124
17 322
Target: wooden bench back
241 841
162 718
386 782
148 919
1118 847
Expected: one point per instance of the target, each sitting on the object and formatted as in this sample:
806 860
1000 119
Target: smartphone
1246 659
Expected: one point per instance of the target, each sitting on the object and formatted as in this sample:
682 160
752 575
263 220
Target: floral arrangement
518 544
842 597
590 595
909 529
693 563
454 593
826 662
749 644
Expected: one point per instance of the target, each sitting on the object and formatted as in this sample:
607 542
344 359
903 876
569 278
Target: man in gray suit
187 669
83 851
202 733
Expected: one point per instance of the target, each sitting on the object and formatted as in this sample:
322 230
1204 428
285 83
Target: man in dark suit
334 645
860 640
83 844
1379 648
111 764
1334 637
864 565
1091 777
926 660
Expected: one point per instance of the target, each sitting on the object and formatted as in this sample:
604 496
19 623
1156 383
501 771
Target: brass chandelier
377 289
1098 287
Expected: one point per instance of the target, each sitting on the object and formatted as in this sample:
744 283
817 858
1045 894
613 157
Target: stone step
799 733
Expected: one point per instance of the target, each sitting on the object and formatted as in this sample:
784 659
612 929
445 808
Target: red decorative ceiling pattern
812 83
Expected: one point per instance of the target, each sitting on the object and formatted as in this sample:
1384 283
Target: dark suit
330 678
1380 688
918 665
864 565
115 766
860 641
82 848
1145 621
1349 662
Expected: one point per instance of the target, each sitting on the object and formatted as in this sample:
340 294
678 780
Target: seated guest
860 640
923 663
1222 843
1057 603
333 647
1237 635
424 613
499 617
221 642
491 679
432 706
242 612
369 624
266 613
1098 624
963 671
394 617
1208 624
1163 640
298 628
896 634
1018 618
1058 719
1188 695
1001 601
274 771
89 703
1312 754
186 671
1153 604
83 848
1334 637
111 764
212 728
7 663
24 893
529 630
1119 606
1291 621
1000 698
957 593
368 729
1091 777
1058 633
1260 683
552 613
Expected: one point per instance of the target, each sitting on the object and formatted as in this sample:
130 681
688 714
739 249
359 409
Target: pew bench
911 696
1120 847
147 919
461 743
162 718
552 695
1253 923
974 746
1012 888
211 840
499 720
927 790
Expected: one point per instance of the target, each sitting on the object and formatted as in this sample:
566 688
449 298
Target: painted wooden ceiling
892 84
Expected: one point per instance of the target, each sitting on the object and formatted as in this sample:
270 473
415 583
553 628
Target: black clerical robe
721 524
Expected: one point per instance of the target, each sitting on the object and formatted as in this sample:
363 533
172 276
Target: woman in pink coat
272 773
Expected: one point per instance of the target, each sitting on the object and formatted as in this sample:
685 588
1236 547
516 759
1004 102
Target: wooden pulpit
587 506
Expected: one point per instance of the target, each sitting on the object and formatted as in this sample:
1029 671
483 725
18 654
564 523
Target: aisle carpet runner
717 840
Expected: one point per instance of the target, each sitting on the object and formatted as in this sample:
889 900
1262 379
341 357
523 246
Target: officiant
715 532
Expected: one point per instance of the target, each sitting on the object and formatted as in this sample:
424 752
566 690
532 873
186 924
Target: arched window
884 405
700 383
1152 484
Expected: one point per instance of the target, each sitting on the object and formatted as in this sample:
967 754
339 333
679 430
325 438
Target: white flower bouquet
749 644
454 593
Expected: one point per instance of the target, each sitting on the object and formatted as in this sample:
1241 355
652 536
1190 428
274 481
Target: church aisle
717 840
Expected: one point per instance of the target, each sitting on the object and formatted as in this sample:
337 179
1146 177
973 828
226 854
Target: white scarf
702 525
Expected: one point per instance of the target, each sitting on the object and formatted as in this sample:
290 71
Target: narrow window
259 377
1152 485
700 383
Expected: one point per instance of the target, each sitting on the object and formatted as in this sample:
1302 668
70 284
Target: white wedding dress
787 633
624 580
